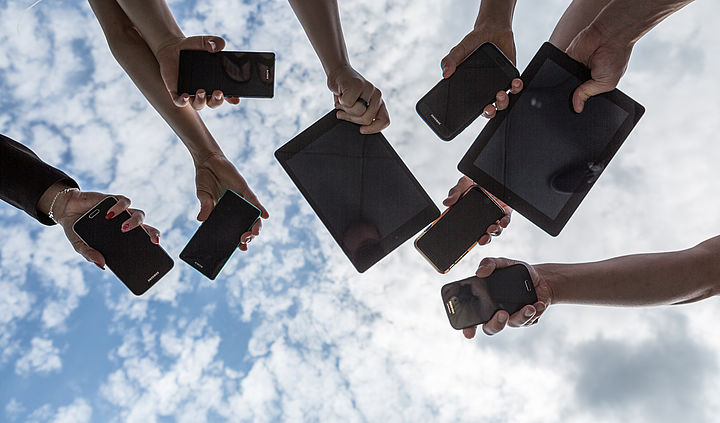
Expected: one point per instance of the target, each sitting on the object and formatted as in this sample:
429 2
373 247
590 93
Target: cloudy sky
289 331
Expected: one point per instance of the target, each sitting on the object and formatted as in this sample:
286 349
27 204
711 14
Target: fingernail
540 307
186 98
201 95
125 228
516 84
502 318
247 241
98 265
528 312
110 215
212 44
218 97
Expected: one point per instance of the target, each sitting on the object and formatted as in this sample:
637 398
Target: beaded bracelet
50 212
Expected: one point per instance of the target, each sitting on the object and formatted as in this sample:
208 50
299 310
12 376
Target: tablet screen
539 156
359 187
542 136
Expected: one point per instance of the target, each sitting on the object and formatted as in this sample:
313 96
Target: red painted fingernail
110 215
125 228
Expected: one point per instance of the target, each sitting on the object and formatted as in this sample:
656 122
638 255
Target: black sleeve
24 178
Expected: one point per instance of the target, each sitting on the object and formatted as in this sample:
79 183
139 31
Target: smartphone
131 256
458 229
235 73
474 301
454 103
217 238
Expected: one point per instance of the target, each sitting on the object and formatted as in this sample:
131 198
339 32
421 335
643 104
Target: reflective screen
235 73
360 189
459 228
544 151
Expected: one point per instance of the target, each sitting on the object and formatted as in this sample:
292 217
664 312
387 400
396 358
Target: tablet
359 188
538 155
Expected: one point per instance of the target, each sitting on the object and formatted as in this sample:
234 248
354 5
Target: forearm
639 280
628 20
321 21
496 13
577 17
153 20
134 55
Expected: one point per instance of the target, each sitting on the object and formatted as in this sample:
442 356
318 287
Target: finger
233 100
199 101
207 202
90 254
353 112
516 86
350 94
496 324
470 332
494 229
135 220
255 230
484 240
587 90
154 234
371 111
501 100
382 121
489 111
216 100
122 204
209 43
182 100
522 317
540 308
505 221
489 264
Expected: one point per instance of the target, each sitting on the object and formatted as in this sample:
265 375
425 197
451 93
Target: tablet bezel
549 225
392 240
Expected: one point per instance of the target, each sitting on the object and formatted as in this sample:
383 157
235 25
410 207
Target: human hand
493 230
607 57
349 87
168 57
529 314
502 37
72 205
213 176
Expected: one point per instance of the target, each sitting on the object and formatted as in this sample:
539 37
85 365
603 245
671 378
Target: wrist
554 278
339 67
54 200
496 15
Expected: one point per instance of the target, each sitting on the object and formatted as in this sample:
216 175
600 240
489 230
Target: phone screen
235 73
454 233
473 301
456 101
131 256
217 238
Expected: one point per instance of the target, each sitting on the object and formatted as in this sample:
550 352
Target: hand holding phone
130 254
474 300
455 102
458 229
217 238
235 73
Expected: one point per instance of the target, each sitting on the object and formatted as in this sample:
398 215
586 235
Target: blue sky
289 331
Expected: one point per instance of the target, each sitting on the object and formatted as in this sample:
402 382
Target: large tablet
358 186
538 155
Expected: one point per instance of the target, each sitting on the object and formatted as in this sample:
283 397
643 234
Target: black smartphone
474 301
454 103
131 256
235 73
458 229
217 238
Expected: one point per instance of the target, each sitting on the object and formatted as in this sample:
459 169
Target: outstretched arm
321 21
214 172
678 277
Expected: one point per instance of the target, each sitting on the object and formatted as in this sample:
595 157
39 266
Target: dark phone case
473 301
131 256
461 219
454 103
235 73
217 238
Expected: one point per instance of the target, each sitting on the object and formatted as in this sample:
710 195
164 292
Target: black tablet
538 155
359 187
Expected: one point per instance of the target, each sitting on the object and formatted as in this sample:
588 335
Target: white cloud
43 357
79 411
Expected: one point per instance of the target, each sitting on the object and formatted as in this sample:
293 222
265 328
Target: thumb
586 90
209 43
489 264
206 205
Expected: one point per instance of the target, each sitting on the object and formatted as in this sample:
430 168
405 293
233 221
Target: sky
289 331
